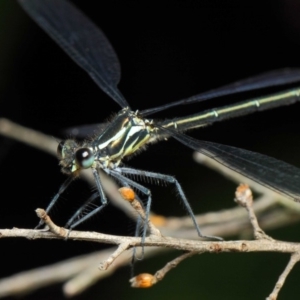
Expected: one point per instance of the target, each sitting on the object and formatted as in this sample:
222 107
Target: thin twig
169 242
129 195
60 231
107 262
146 280
295 257
244 198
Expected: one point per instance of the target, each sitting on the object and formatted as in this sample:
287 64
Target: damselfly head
73 157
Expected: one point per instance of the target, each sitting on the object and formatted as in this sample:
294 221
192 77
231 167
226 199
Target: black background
168 50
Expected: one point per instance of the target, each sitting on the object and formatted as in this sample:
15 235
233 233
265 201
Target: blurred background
168 50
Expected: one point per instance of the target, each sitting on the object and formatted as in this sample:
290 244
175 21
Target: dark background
168 50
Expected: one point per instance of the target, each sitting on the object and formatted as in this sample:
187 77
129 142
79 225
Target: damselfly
130 131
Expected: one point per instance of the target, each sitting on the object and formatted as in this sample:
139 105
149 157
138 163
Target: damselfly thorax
126 134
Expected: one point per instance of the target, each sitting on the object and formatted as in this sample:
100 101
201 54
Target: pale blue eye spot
84 158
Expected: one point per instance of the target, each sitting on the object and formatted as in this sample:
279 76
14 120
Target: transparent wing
265 80
84 131
81 40
286 97
270 172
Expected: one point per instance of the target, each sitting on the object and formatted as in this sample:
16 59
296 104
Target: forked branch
83 272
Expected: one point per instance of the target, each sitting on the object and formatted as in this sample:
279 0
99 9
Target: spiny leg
81 209
62 188
170 179
116 174
124 182
122 179
95 211
134 257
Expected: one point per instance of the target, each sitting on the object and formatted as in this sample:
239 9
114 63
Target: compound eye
60 148
84 158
